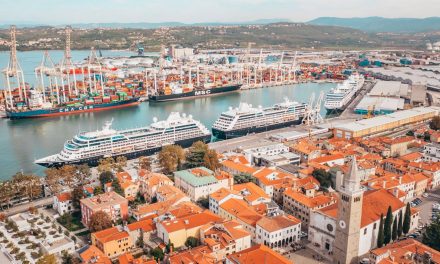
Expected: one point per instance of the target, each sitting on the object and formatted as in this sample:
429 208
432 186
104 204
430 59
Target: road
349 111
24 207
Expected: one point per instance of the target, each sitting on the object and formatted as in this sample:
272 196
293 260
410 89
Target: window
365 231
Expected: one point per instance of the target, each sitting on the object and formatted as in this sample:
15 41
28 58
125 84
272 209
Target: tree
324 178
106 177
195 154
192 242
140 240
380 233
435 123
431 236
117 187
100 221
47 259
82 173
400 225
32 210
68 174
170 157
157 253
145 163
98 190
394 230
169 247
27 185
77 195
244 178
106 164
387 226
407 219
66 258
121 162
210 160
53 180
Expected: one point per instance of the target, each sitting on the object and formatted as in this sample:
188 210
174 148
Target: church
349 228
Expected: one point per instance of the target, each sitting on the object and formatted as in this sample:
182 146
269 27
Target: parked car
425 195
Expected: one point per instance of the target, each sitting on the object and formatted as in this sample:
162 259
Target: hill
381 24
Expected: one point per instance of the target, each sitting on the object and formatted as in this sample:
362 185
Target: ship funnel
154 119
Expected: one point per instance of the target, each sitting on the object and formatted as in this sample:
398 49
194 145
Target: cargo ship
245 119
175 92
38 109
90 147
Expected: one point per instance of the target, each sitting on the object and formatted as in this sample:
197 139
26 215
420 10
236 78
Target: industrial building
383 123
384 98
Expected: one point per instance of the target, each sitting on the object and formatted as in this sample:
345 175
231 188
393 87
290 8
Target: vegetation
106 177
192 242
400 225
380 237
140 240
157 253
100 221
171 158
77 195
204 202
117 187
394 230
21 186
435 123
47 259
407 219
195 154
210 160
324 178
98 190
145 163
431 236
387 226
244 178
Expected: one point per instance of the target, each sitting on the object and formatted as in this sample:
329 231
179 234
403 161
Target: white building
57 246
62 203
431 152
200 182
263 149
220 196
278 231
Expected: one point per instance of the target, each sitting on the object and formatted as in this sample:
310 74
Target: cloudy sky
190 11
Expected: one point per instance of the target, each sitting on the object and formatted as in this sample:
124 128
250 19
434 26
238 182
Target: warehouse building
383 123
384 98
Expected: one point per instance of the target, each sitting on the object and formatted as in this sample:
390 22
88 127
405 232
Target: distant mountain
148 25
381 24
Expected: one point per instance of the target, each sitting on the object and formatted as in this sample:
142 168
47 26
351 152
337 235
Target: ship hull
93 161
195 93
220 134
70 110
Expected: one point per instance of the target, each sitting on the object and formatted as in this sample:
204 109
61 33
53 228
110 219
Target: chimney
384 184
400 179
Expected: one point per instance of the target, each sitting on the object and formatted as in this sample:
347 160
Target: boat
339 97
245 119
90 147
40 109
187 93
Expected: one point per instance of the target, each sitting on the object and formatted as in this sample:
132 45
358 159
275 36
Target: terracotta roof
277 223
189 222
311 202
238 166
258 254
397 253
325 159
241 210
222 193
147 225
411 156
64 197
250 191
128 258
103 200
198 255
93 255
109 234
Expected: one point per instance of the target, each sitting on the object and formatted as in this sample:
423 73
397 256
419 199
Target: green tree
157 254
387 226
145 163
106 177
170 157
98 190
140 240
66 258
47 259
77 195
380 235
99 221
169 247
244 178
324 178
431 236
400 225
210 160
195 154
192 242
117 187
435 123
407 219
121 162
394 230
106 164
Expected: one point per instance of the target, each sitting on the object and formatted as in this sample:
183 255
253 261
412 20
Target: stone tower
348 221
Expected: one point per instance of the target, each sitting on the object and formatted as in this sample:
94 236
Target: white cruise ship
245 119
89 147
339 97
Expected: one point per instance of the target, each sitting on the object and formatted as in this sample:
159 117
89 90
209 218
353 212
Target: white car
425 195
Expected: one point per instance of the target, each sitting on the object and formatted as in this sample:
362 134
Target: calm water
23 141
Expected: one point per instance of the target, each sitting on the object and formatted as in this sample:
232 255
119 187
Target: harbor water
23 141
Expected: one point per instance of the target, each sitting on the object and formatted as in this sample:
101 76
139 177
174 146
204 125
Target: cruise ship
247 119
338 98
89 147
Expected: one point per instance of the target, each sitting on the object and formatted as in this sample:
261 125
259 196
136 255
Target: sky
193 11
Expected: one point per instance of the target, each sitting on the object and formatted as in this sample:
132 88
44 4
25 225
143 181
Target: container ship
176 91
90 147
338 98
247 119
38 108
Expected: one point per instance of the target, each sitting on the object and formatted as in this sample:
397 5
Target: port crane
14 72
